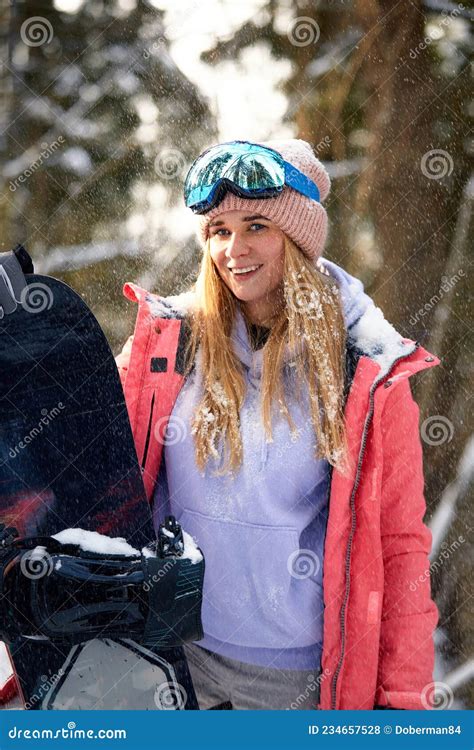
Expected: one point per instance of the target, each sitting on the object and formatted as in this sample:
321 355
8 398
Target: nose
236 246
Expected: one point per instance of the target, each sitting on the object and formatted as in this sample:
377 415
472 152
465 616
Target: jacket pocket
250 597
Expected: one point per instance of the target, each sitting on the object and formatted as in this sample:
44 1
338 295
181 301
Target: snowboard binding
59 591
170 538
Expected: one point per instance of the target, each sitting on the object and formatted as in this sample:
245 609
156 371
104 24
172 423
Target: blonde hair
309 320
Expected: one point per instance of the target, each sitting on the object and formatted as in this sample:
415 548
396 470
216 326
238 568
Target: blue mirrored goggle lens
252 169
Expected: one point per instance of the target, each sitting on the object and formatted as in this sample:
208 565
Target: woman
273 415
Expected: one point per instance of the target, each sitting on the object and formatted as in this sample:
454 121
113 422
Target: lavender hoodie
262 532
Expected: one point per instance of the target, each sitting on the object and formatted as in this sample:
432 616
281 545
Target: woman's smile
242 274
248 252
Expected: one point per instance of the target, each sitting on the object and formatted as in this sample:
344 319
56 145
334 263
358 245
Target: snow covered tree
102 124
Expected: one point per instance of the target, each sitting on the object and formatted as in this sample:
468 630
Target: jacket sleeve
409 615
123 359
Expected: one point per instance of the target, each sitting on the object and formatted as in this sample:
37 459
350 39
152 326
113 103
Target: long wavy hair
309 320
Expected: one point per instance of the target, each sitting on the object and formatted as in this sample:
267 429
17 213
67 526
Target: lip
243 276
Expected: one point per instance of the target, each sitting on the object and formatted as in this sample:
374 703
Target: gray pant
247 686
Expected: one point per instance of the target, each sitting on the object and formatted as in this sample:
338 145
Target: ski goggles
244 168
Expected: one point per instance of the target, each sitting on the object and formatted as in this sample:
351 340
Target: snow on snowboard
94 605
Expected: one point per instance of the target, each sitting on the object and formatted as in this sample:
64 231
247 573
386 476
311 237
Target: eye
256 224
217 232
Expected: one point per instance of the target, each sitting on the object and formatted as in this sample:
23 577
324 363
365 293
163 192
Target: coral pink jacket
379 616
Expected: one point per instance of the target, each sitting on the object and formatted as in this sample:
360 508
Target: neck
256 319
260 312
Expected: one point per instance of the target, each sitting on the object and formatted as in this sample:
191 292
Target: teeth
245 270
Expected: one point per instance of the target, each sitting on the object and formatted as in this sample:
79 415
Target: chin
247 296
242 296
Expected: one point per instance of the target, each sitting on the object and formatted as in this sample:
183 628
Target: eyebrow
246 218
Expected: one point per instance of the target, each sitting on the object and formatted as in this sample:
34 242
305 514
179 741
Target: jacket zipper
353 520
148 434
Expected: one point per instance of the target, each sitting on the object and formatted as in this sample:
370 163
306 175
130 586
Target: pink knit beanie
302 219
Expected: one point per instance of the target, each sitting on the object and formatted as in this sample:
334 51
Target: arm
123 359
409 615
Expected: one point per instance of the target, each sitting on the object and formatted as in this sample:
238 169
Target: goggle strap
300 182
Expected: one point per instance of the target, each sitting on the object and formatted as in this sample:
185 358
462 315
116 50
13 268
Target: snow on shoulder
379 340
174 306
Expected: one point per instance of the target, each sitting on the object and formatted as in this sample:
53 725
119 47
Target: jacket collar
374 337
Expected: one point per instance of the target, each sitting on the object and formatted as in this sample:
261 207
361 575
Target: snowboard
68 461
